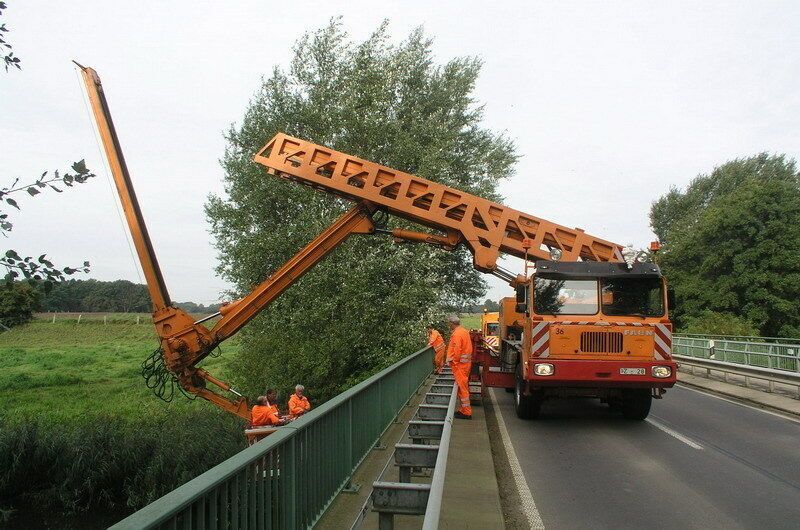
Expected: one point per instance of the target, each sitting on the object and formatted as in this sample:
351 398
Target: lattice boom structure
486 227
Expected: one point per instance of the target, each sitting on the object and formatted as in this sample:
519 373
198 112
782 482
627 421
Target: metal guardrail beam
434 508
404 497
290 478
771 376
783 356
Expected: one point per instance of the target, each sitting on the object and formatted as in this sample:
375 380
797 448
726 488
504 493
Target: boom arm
487 228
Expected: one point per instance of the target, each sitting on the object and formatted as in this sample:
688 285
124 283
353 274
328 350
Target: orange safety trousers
440 352
461 375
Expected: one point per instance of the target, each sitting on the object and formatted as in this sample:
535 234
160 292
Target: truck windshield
493 329
565 297
632 296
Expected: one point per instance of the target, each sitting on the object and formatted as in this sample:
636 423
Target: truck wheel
636 403
510 390
526 407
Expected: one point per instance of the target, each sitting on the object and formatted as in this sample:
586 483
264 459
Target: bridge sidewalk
471 497
753 396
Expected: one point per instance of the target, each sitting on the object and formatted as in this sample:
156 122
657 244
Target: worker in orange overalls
298 403
436 342
459 356
264 414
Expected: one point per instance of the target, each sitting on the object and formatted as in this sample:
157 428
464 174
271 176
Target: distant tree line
489 305
19 300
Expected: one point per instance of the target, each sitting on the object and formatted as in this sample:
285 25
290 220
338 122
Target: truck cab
490 328
594 329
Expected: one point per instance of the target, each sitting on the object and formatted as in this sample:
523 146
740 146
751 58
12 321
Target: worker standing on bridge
459 355
298 403
436 342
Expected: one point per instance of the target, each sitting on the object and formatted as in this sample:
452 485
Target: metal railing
768 375
433 424
773 355
290 478
746 338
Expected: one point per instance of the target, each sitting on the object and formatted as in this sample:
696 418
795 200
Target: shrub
711 323
18 301
107 462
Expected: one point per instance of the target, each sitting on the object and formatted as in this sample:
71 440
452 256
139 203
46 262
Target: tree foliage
365 305
733 243
6 54
18 301
710 323
78 296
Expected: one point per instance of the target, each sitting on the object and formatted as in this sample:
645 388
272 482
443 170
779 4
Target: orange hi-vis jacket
298 405
459 350
265 415
436 341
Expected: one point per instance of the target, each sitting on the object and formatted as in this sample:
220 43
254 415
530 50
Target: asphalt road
698 462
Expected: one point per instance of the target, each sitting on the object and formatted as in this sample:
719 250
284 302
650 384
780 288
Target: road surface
697 462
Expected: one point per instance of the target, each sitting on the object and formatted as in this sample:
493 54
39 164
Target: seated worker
264 414
272 400
298 403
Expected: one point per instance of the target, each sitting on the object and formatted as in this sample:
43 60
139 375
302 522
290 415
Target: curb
741 399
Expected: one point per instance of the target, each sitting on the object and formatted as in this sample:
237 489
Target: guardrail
745 338
783 356
433 423
290 478
769 375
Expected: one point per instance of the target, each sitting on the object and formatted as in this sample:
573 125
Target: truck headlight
661 371
543 369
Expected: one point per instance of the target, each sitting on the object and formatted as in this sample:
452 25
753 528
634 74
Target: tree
365 306
41 269
733 244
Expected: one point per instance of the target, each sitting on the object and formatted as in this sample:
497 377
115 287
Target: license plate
631 371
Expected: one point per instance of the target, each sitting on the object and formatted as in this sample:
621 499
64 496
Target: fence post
54 318
105 320
79 318
137 320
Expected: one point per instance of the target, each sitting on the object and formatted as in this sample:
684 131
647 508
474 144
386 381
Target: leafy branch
40 269
5 47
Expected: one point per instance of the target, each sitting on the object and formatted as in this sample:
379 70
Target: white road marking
709 393
526 498
674 434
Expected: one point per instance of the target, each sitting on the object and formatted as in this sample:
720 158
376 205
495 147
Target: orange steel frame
485 227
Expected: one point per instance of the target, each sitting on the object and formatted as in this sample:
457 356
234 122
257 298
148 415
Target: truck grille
601 342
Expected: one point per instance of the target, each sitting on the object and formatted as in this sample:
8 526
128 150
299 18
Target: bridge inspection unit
586 335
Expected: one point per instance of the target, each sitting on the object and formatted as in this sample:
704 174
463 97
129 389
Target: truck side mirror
522 299
671 297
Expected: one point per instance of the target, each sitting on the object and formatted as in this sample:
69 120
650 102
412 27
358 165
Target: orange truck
490 329
590 329
584 323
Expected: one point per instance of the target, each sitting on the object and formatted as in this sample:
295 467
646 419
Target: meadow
80 433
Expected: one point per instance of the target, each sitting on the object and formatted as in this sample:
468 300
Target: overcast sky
610 104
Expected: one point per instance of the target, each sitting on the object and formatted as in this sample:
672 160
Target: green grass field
471 320
67 369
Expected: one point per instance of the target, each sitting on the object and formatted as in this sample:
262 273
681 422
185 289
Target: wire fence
101 318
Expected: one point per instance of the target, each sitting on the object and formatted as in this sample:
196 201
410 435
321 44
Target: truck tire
636 403
526 407
510 390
